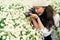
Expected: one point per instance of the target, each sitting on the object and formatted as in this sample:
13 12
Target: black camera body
31 11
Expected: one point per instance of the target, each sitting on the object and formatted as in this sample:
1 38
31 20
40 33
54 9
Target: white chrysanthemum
2 33
2 24
17 25
7 38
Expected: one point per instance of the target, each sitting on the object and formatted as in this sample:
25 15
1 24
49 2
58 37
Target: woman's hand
35 16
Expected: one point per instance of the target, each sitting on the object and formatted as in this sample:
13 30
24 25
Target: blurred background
13 23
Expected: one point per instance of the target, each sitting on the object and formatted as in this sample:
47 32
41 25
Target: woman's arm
38 23
41 26
56 19
34 23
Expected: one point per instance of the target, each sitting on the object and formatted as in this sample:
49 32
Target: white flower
17 21
9 22
2 33
7 38
4 14
9 16
4 37
2 24
24 37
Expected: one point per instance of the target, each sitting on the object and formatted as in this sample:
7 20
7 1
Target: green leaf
2 22
15 25
1 37
27 32
21 38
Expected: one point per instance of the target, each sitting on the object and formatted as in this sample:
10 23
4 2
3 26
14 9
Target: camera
31 11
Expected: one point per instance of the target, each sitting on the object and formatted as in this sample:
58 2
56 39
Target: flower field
13 23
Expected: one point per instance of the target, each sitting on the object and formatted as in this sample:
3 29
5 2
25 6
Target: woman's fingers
34 16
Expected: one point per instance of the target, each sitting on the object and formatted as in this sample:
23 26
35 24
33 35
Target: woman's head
47 10
40 5
39 10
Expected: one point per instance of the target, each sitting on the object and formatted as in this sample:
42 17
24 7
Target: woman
44 18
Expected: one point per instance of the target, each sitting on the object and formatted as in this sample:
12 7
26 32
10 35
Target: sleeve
56 19
45 32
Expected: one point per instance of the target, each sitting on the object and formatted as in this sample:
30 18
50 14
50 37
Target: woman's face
39 10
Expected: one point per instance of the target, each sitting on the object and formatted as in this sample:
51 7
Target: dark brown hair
47 17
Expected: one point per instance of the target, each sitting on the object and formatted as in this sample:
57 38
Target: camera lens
27 14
